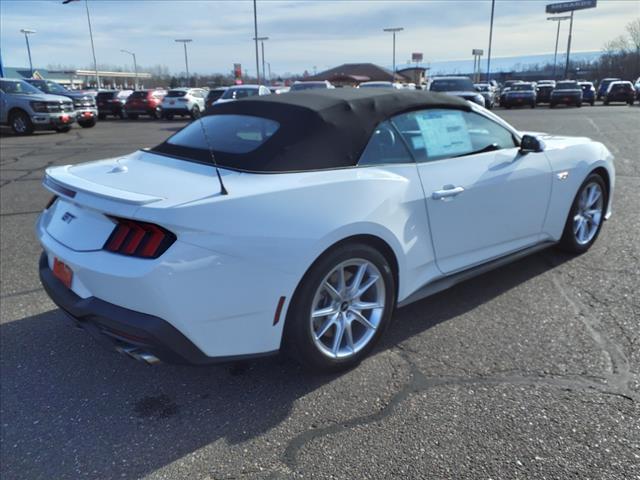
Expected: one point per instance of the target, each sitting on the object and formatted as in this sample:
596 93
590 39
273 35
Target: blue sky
303 34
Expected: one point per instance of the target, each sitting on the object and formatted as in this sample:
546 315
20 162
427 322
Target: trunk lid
138 179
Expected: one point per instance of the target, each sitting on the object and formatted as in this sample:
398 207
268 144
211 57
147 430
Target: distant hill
504 64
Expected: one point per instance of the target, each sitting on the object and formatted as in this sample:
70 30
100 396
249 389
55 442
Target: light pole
135 67
555 54
394 30
566 67
255 39
264 71
184 42
93 49
28 32
493 7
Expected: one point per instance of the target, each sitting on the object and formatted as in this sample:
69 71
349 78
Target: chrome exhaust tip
139 355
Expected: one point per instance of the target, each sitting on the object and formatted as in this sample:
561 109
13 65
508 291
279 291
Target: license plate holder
62 272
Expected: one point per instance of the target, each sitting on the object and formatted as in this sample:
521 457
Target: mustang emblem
68 217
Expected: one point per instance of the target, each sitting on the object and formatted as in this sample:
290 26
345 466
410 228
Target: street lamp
135 66
28 32
493 7
184 42
255 39
262 40
93 50
394 30
555 55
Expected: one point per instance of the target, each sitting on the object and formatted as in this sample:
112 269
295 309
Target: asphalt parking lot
530 371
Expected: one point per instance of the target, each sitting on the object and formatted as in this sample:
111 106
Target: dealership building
78 79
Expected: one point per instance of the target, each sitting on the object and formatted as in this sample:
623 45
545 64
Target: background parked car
567 92
242 91
543 92
489 92
457 86
83 103
620 91
604 85
25 108
185 102
521 94
278 89
637 87
144 102
213 95
588 92
310 85
111 102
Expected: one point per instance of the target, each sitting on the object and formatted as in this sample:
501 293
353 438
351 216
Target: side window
436 134
385 146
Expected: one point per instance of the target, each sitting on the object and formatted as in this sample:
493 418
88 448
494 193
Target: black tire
87 123
21 123
579 104
167 116
132 116
102 116
606 102
298 341
508 107
63 129
155 114
121 114
552 105
533 105
568 241
195 112
592 103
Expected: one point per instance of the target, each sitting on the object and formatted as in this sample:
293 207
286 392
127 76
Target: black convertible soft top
319 129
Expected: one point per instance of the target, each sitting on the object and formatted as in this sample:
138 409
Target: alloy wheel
588 216
347 308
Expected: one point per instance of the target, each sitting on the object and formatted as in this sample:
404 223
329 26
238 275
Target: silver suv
25 108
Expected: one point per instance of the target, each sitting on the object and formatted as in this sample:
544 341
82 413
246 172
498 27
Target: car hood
40 97
557 141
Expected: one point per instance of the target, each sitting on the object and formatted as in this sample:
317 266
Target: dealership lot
530 371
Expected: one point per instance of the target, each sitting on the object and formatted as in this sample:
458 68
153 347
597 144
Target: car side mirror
530 144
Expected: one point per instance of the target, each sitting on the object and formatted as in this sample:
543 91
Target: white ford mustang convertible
298 222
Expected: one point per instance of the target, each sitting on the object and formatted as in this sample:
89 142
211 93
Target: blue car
604 85
588 92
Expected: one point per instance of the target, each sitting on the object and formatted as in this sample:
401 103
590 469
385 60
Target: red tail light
139 239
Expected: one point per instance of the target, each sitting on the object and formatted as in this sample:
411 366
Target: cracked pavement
529 371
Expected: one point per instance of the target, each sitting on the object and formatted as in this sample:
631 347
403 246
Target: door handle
446 192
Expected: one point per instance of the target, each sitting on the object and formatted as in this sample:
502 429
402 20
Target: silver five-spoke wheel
347 308
587 219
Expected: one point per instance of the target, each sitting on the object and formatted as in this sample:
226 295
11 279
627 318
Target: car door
484 198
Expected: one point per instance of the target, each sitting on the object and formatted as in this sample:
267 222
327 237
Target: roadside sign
237 70
570 6
416 57
477 51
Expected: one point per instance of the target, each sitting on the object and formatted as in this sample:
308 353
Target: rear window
214 95
307 86
522 87
236 134
236 93
105 95
176 93
567 86
139 94
452 85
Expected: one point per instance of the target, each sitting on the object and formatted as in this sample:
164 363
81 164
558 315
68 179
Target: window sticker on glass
444 133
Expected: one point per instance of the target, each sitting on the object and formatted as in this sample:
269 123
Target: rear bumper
176 111
127 330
